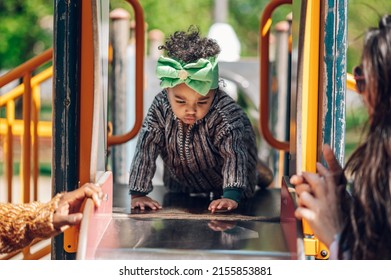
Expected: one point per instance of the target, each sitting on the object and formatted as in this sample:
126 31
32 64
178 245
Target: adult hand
68 212
334 166
320 206
222 204
144 201
335 170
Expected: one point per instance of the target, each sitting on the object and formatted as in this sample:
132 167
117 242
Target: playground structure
314 93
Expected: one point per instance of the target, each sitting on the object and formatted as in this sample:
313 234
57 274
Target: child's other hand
144 201
222 204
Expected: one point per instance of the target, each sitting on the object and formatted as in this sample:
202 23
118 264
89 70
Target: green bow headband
201 76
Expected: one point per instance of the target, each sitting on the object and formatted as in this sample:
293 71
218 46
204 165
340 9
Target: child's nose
191 108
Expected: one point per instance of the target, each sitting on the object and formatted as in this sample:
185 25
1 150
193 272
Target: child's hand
222 204
144 201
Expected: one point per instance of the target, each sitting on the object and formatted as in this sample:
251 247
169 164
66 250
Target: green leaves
21 33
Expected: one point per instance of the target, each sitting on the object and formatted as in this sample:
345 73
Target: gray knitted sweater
216 154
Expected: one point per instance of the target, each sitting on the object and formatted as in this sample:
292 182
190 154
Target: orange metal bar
18 91
28 66
26 145
140 49
26 252
87 88
86 103
39 254
35 117
264 74
9 147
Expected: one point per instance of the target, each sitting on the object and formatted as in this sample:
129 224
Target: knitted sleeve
20 224
148 147
234 153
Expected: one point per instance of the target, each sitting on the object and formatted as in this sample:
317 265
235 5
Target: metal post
26 141
220 12
66 82
119 104
335 32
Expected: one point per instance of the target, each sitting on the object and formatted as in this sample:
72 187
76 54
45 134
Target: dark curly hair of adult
189 46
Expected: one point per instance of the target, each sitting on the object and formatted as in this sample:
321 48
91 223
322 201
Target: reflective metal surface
185 229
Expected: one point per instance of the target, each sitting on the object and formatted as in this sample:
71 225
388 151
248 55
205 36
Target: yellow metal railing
28 129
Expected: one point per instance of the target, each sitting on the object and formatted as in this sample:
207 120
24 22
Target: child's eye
180 101
202 103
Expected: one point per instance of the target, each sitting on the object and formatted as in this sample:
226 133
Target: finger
330 178
97 199
305 213
302 188
232 205
296 180
151 205
220 204
136 205
157 204
139 205
325 173
316 183
307 200
322 170
92 191
212 206
76 197
60 221
74 219
338 178
89 191
133 205
331 187
330 158
154 205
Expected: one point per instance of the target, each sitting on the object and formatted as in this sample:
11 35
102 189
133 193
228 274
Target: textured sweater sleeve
147 150
234 153
20 224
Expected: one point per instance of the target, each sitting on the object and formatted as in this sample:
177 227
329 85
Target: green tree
362 14
171 15
245 18
22 31
23 34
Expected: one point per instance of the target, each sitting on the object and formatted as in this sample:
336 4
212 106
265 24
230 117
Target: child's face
188 105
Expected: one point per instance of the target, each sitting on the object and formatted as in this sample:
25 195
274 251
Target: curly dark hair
190 46
368 228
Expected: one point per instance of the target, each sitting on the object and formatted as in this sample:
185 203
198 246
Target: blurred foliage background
26 28
26 25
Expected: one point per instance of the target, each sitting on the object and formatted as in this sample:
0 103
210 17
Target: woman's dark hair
189 46
367 230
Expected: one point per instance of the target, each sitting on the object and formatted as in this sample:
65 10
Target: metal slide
262 228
